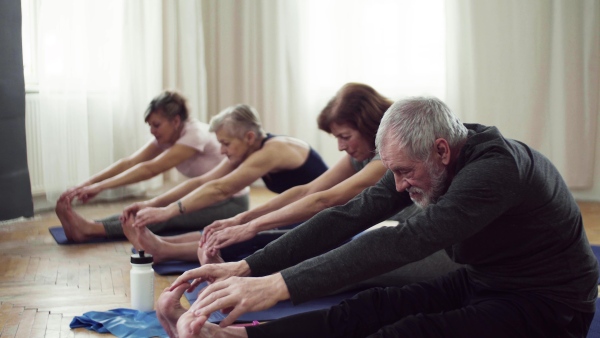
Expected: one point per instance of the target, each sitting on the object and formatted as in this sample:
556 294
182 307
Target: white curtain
183 49
288 58
532 68
101 62
252 57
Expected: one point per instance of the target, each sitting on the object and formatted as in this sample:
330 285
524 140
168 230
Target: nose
341 145
223 150
401 183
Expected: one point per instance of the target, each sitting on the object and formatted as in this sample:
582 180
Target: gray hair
415 123
239 120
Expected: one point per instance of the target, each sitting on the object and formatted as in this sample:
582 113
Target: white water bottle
142 282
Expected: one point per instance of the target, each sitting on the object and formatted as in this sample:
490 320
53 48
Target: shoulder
278 145
195 134
280 142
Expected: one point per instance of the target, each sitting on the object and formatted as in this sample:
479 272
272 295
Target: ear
250 137
442 149
177 120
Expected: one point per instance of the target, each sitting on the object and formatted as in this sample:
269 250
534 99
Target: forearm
287 197
204 196
371 254
137 173
177 193
329 229
111 171
296 212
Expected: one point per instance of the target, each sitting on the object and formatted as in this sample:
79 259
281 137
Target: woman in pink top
180 142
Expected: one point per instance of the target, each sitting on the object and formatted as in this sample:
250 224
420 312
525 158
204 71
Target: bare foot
169 309
144 239
189 326
77 228
132 234
206 258
61 209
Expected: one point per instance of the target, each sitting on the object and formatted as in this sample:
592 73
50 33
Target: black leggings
449 306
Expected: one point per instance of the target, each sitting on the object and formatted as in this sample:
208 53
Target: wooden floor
44 285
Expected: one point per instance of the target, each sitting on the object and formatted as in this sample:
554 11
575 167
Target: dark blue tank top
281 181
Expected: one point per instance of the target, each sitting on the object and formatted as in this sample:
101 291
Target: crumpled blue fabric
121 323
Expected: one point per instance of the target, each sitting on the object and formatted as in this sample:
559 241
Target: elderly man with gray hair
496 205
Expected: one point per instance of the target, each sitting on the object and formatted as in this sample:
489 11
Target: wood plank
25 324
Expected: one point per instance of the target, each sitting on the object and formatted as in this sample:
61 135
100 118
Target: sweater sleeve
474 199
330 228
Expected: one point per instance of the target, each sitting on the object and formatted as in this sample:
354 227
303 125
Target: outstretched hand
226 237
151 215
211 273
133 209
238 295
217 226
86 193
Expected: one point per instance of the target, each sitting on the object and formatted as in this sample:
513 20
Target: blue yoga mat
121 323
594 331
59 236
279 310
58 233
170 268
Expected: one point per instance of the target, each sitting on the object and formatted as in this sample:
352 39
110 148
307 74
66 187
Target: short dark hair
170 104
357 105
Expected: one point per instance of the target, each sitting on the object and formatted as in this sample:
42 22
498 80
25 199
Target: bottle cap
141 258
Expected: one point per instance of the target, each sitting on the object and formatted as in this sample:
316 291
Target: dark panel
15 187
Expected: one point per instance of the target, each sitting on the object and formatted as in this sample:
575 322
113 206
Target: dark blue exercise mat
279 310
170 268
594 331
121 323
59 236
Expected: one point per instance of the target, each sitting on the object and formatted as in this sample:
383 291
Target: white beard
438 185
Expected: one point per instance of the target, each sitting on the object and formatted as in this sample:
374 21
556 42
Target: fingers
211 294
141 219
209 232
232 317
148 216
223 244
198 275
214 302
197 324
180 289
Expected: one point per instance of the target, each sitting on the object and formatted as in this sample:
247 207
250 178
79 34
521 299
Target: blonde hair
239 120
